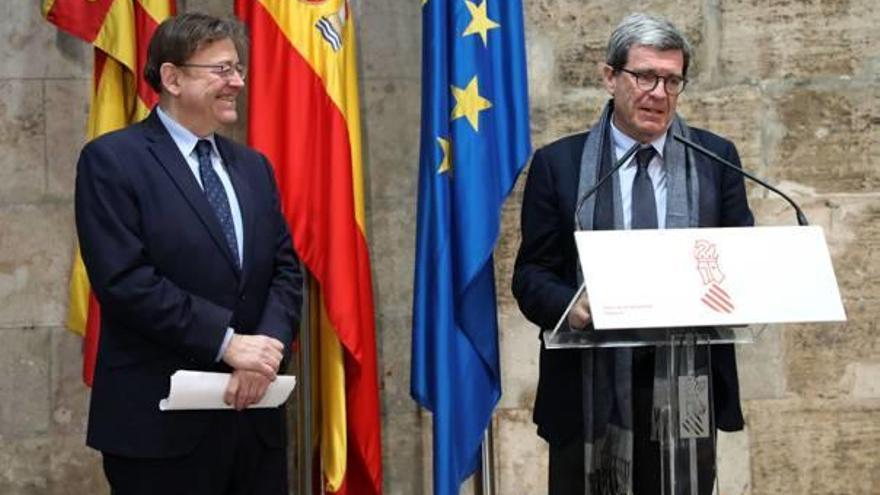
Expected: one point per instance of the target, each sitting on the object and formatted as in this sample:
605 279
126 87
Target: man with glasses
189 255
594 407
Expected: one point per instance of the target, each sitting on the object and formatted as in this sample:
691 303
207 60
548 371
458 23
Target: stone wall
793 83
44 89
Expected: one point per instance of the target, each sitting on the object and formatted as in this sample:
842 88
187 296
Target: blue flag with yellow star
474 143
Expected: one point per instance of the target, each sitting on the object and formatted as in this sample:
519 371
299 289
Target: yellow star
469 103
446 161
480 22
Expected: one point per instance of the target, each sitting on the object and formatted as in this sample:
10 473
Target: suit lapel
168 155
245 197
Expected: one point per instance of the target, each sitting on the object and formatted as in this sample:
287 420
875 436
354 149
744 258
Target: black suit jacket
545 275
168 287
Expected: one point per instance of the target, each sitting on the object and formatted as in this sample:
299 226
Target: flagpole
304 404
484 481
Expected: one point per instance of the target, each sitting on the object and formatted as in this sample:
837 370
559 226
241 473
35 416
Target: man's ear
608 77
170 76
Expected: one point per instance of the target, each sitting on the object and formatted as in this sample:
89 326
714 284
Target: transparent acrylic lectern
698 288
684 416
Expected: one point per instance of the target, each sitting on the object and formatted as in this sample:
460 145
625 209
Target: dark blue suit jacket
545 275
168 287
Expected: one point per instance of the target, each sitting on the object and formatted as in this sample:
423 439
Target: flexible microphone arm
619 163
801 218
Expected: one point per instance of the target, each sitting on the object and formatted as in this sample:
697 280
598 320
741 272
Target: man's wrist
225 344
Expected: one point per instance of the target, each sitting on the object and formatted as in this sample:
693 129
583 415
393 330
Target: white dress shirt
186 142
656 170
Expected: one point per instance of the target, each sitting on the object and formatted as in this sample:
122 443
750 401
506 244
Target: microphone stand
801 218
619 163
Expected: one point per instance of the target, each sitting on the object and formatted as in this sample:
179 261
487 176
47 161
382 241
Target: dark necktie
216 195
644 208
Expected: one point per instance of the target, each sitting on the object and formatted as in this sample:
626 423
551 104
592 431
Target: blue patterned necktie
644 207
216 195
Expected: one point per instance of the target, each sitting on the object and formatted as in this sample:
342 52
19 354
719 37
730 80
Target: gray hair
645 30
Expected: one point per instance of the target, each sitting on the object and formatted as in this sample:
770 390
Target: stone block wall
793 82
794 85
44 89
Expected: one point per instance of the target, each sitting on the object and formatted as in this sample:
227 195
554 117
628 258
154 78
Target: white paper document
700 277
204 390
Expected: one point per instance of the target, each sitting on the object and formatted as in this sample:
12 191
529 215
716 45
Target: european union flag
474 143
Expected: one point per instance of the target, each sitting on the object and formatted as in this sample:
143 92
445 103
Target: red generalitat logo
714 296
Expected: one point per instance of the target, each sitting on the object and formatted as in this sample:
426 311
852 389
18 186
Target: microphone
619 163
801 218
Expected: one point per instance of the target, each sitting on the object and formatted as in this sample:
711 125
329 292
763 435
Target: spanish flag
304 116
120 31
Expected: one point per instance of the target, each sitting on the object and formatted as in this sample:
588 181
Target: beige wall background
795 83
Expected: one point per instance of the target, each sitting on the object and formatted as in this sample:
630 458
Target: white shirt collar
183 137
624 142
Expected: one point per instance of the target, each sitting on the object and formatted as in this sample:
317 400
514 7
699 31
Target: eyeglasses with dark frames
648 81
224 70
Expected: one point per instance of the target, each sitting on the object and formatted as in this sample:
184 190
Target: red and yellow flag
304 115
120 31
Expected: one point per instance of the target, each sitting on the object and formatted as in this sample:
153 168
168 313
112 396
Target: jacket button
242 297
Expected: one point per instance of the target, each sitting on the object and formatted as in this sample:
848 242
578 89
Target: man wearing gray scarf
594 407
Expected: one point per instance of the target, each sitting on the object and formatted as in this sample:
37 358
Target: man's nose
236 79
659 90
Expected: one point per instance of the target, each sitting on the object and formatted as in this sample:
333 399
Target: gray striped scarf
607 373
